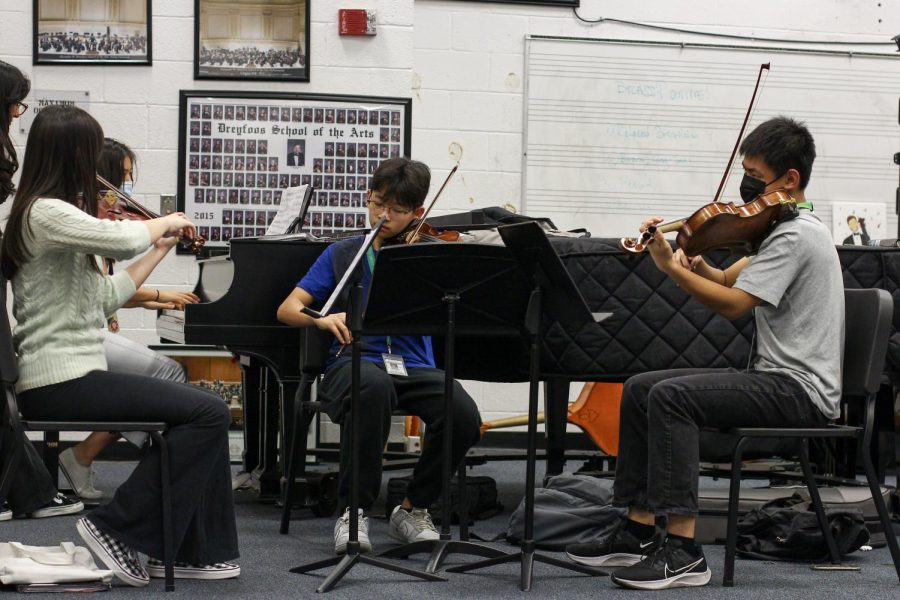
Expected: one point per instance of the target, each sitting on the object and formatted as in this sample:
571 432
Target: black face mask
751 187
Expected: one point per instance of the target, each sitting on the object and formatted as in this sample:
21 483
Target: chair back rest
314 347
868 315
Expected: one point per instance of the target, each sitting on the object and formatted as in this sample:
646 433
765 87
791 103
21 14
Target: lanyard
370 259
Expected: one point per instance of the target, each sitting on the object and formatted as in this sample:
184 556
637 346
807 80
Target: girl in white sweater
61 298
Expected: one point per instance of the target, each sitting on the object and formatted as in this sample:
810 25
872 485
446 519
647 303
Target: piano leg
260 427
250 383
556 398
268 472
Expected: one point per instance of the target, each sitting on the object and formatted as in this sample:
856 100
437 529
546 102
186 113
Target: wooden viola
722 225
116 205
420 231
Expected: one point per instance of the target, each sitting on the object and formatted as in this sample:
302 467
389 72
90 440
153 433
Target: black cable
725 35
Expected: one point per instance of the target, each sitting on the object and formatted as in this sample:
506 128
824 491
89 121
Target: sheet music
291 205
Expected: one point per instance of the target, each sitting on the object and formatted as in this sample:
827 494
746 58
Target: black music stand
449 289
554 295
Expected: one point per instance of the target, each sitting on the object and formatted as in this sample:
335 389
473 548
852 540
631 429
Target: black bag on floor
481 498
570 509
787 529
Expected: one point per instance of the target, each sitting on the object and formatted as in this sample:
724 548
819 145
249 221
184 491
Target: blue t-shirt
320 281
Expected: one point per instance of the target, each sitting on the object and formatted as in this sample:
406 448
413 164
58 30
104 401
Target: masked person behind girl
116 165
61 296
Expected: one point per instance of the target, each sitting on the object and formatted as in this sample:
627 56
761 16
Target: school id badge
393 364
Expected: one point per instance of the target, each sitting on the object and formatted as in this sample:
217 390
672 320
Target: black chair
13 424
868 314
314 348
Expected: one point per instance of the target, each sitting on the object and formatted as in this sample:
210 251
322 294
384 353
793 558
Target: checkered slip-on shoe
156 568
119 558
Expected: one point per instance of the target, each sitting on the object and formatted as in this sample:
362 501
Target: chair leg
734 497
875 488
817 503
165 486
462 509
300 427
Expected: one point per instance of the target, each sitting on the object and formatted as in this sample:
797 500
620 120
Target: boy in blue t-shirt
406 379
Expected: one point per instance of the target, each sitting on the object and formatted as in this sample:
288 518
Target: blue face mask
127 188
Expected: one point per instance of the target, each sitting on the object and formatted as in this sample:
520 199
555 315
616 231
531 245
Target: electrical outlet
166 204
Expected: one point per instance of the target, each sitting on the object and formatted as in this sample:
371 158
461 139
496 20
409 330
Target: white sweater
60 303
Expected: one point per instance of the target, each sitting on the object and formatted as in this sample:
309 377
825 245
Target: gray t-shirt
800 323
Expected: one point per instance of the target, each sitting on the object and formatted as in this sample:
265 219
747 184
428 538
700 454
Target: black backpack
787 529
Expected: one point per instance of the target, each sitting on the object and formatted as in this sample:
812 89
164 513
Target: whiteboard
619 131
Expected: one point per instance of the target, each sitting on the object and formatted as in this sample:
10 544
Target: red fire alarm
356 21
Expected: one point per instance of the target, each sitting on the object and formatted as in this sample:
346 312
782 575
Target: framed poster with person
239 151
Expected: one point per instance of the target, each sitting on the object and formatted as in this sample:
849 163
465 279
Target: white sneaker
5 514
414 525
80 477
342 533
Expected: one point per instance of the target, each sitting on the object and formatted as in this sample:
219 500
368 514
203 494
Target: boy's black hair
403 181
782 143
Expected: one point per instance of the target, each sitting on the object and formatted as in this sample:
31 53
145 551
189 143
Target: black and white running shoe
5 513
671 565
618 549
60 505
119 558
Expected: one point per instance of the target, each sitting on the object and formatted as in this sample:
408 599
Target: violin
116 205
420 231
725 225
717 225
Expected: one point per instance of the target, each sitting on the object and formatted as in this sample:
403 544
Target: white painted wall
462 62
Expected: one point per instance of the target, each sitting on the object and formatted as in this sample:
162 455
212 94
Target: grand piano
654 326
239 296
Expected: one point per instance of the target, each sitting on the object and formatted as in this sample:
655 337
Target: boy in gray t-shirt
793 381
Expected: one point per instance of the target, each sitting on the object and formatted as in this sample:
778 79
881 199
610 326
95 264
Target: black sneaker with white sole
119 558
60 505
671 565
156 568
5 513
618 549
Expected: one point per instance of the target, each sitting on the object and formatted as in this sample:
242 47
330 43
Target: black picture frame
274 140
566 3
113 43
235 62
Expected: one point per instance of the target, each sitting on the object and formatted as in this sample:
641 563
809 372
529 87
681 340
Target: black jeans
202 507
30 487
421 393
659 428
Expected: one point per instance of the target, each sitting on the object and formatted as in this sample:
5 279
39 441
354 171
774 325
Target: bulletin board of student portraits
238 152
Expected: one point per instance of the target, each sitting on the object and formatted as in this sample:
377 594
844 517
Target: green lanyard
806 205
370 258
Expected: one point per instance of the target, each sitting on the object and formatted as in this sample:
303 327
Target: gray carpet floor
266 558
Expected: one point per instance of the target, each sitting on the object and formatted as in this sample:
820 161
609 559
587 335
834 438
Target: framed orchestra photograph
251 39
239 152
107 32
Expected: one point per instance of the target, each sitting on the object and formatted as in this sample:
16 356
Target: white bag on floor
20 564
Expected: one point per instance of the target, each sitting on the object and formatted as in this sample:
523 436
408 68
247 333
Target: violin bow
737 143
415 232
